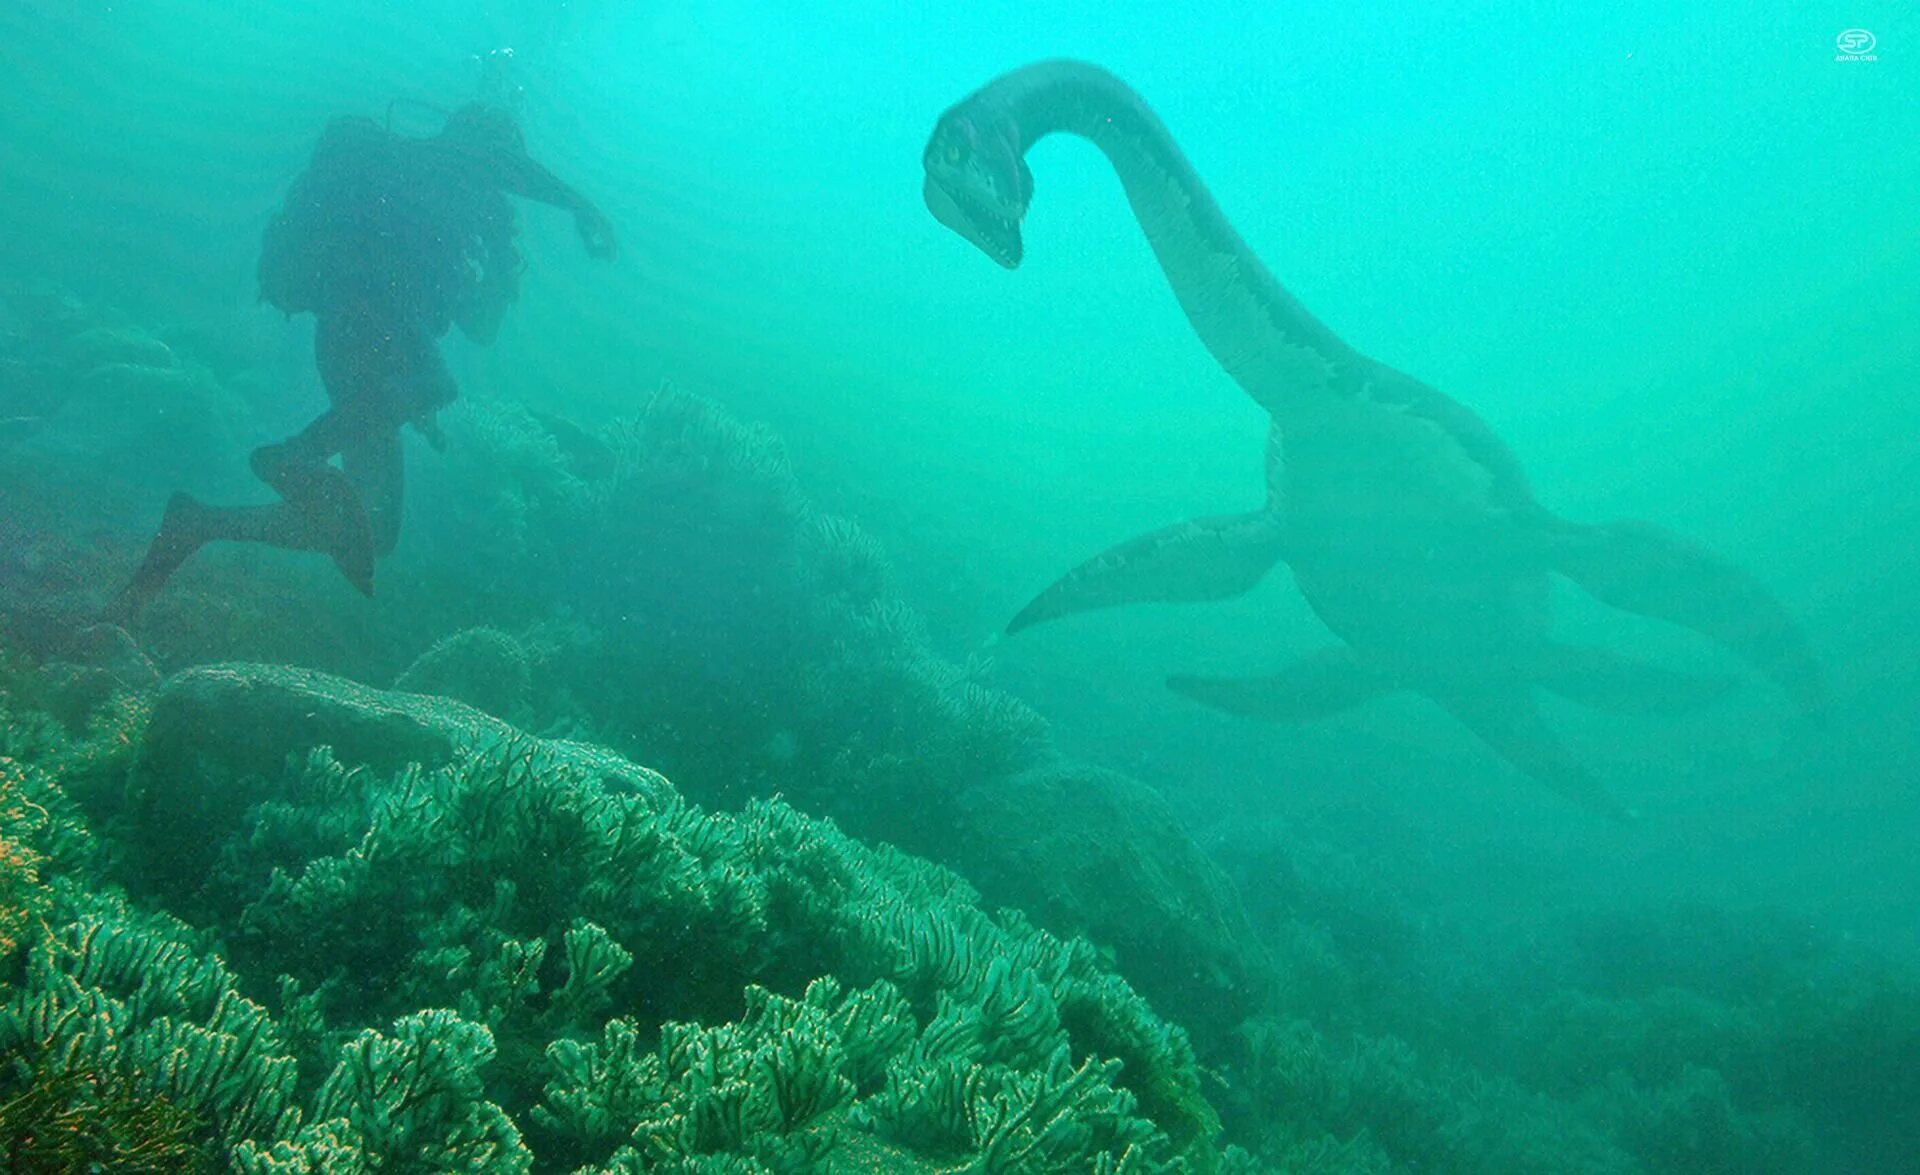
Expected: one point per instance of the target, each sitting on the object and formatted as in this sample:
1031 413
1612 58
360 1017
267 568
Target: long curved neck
1265 339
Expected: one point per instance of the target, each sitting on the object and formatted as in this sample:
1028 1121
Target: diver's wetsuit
387 241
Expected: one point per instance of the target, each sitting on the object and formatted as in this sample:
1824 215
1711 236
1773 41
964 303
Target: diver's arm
521 176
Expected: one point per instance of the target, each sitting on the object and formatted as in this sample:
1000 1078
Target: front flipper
1205 559
1639 568
1605 680
1317 685
1508 721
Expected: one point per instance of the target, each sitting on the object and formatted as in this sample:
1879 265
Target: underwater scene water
728 587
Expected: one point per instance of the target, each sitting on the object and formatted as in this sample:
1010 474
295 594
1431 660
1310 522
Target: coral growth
23 896
519 884
127 1005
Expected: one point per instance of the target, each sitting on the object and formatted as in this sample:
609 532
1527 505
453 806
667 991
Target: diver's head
499 82
977 182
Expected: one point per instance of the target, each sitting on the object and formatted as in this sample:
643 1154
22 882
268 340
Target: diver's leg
414 384
190 524
367 363
181 534
378 376
320 509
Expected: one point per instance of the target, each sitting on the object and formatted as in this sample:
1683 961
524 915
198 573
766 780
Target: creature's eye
953 153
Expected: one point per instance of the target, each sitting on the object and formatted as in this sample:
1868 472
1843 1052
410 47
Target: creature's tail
1509 721
1639 568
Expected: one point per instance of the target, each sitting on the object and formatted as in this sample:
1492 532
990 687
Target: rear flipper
1317 685
1510 723
1637 567
1609 681
1204 559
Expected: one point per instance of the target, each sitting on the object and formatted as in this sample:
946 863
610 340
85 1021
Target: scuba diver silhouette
387 240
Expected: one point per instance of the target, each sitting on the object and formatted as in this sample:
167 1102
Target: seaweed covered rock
483 667
96 347
99 422
1094 852
95 665
1373 1103
662 988
848 1080
244 720
141 419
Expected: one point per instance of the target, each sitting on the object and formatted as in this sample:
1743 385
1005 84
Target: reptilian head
977 183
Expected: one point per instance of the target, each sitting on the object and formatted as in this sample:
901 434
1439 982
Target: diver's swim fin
349 542
184 529
1509 721
334 518
1317 685
1203 559
1605 680
1640 568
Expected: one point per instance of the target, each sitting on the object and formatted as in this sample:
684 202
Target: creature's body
1409 527
387 241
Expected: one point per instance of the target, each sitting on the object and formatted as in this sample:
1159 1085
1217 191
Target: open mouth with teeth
991 230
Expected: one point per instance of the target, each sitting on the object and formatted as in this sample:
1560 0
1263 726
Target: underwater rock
29 389
483 667
98 662
112 650
245 720
1092 852
101 345
41 313
130 423
264 713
